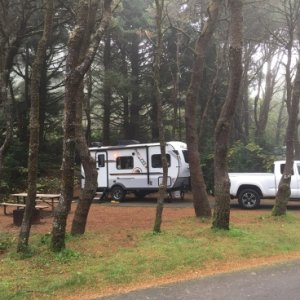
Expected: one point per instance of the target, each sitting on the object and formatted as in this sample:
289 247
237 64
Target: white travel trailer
137 168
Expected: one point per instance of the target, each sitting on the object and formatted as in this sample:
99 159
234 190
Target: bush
249 158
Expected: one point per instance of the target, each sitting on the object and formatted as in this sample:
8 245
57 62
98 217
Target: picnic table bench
18 205
49 199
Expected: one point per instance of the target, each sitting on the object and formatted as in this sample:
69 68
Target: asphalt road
273 282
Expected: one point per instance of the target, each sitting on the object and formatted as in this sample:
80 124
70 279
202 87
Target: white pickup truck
249 188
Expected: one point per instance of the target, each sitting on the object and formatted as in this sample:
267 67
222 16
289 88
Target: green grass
97 261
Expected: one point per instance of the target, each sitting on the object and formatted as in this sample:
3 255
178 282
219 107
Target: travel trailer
137 168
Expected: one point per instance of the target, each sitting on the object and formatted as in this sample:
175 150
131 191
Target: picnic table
18 205
49 199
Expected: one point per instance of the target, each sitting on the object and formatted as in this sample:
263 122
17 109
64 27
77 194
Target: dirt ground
102 218
132 214
118 218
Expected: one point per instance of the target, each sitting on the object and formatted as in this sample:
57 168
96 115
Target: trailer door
101 161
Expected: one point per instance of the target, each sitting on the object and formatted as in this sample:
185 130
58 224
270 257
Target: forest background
119 100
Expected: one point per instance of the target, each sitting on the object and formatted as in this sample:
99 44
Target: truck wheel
117 193
249 199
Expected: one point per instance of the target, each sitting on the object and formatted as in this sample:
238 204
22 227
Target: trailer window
101 161
124 162
156 160
185 155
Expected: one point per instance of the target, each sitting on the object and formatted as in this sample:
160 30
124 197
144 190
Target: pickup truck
249 188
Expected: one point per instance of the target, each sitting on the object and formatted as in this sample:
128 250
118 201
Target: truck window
185 155
124 162
101 161
156 160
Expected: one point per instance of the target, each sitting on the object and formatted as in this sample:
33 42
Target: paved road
280 282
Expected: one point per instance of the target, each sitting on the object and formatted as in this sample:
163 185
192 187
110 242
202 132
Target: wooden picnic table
49 199
18 205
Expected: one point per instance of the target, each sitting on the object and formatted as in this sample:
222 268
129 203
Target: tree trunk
222 184
157 85
34 127
176 92
87 108
280 120
76 69
200 200
265 106
135 92
107 94
284 190
89 165
292 101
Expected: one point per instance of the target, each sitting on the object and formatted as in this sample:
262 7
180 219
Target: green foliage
67 255
15 168
6 241
249 158
48 185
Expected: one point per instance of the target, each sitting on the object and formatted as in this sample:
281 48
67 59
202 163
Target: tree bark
135 88
221 214
90 172
292 15
200 200
76 69
34 127
107 93
88 163
265 106
157 85
284 190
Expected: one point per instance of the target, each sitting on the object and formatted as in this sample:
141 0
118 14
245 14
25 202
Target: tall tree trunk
88 163
159 4
107 91
87 108
284 189
34 127
280 120
43 103
222 184
135 92
265 106
90 172
125 98
76 69
297 143
176 93
292 102
200 200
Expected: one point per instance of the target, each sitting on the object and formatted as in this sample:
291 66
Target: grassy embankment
97 263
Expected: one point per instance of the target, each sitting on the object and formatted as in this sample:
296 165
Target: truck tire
249 199
117 193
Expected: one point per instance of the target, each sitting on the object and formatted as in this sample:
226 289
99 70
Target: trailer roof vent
127 142
96 144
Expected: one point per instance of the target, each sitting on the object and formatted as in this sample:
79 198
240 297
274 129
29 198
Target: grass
97 262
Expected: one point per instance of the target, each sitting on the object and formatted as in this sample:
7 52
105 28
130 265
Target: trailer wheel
249 199
117 193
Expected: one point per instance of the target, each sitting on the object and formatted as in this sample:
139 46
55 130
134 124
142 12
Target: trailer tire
117 193
249 198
